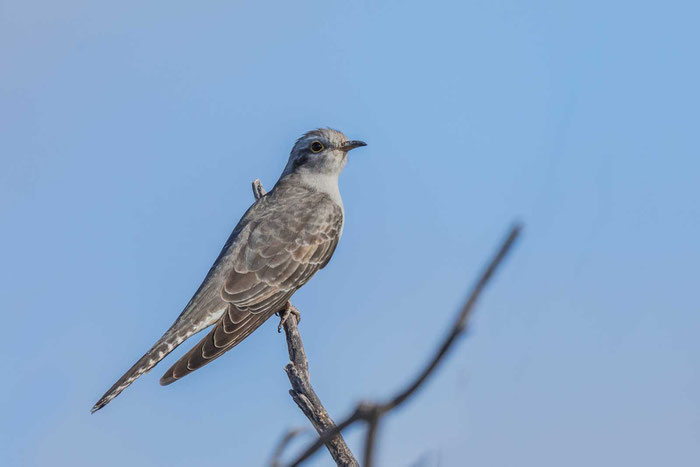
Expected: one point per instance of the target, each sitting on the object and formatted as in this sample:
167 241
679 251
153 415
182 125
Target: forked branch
370 413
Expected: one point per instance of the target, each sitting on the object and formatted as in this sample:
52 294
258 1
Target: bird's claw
284 314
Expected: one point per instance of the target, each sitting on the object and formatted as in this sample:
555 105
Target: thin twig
370 438
460 324
371 413
302 392
276 459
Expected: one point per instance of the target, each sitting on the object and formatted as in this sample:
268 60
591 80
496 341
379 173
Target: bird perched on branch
280 242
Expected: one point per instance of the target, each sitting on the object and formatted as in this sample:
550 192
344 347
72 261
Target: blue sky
131 132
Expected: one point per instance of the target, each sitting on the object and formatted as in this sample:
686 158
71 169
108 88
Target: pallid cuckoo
279 243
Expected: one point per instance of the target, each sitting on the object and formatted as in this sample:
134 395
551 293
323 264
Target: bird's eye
317 146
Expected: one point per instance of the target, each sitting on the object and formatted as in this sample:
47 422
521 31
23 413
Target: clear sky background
130 133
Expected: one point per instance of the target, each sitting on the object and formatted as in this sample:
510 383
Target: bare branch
306 399
370 439
460 324
371 413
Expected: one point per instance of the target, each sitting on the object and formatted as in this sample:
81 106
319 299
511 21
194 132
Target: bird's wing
273 256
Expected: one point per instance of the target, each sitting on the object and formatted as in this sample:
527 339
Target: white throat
325 183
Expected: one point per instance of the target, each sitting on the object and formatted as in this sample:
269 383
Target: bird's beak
349 145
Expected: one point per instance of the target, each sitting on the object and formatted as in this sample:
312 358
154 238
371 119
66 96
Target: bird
284 238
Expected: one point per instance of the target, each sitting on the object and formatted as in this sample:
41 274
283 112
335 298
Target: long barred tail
158 352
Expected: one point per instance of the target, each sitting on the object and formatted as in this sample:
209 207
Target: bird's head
323 151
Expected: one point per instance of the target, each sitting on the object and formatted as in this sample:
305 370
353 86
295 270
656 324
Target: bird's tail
226 335
158 352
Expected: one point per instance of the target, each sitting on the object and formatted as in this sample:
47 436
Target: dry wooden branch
306 399
302 392
371 412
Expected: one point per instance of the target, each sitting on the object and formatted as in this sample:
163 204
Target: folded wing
273 256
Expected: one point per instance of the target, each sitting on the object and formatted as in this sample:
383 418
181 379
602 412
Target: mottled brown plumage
278 245
286 237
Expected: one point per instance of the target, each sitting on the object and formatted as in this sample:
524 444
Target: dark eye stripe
301 161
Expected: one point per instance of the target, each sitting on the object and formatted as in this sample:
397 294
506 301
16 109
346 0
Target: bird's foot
285 313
